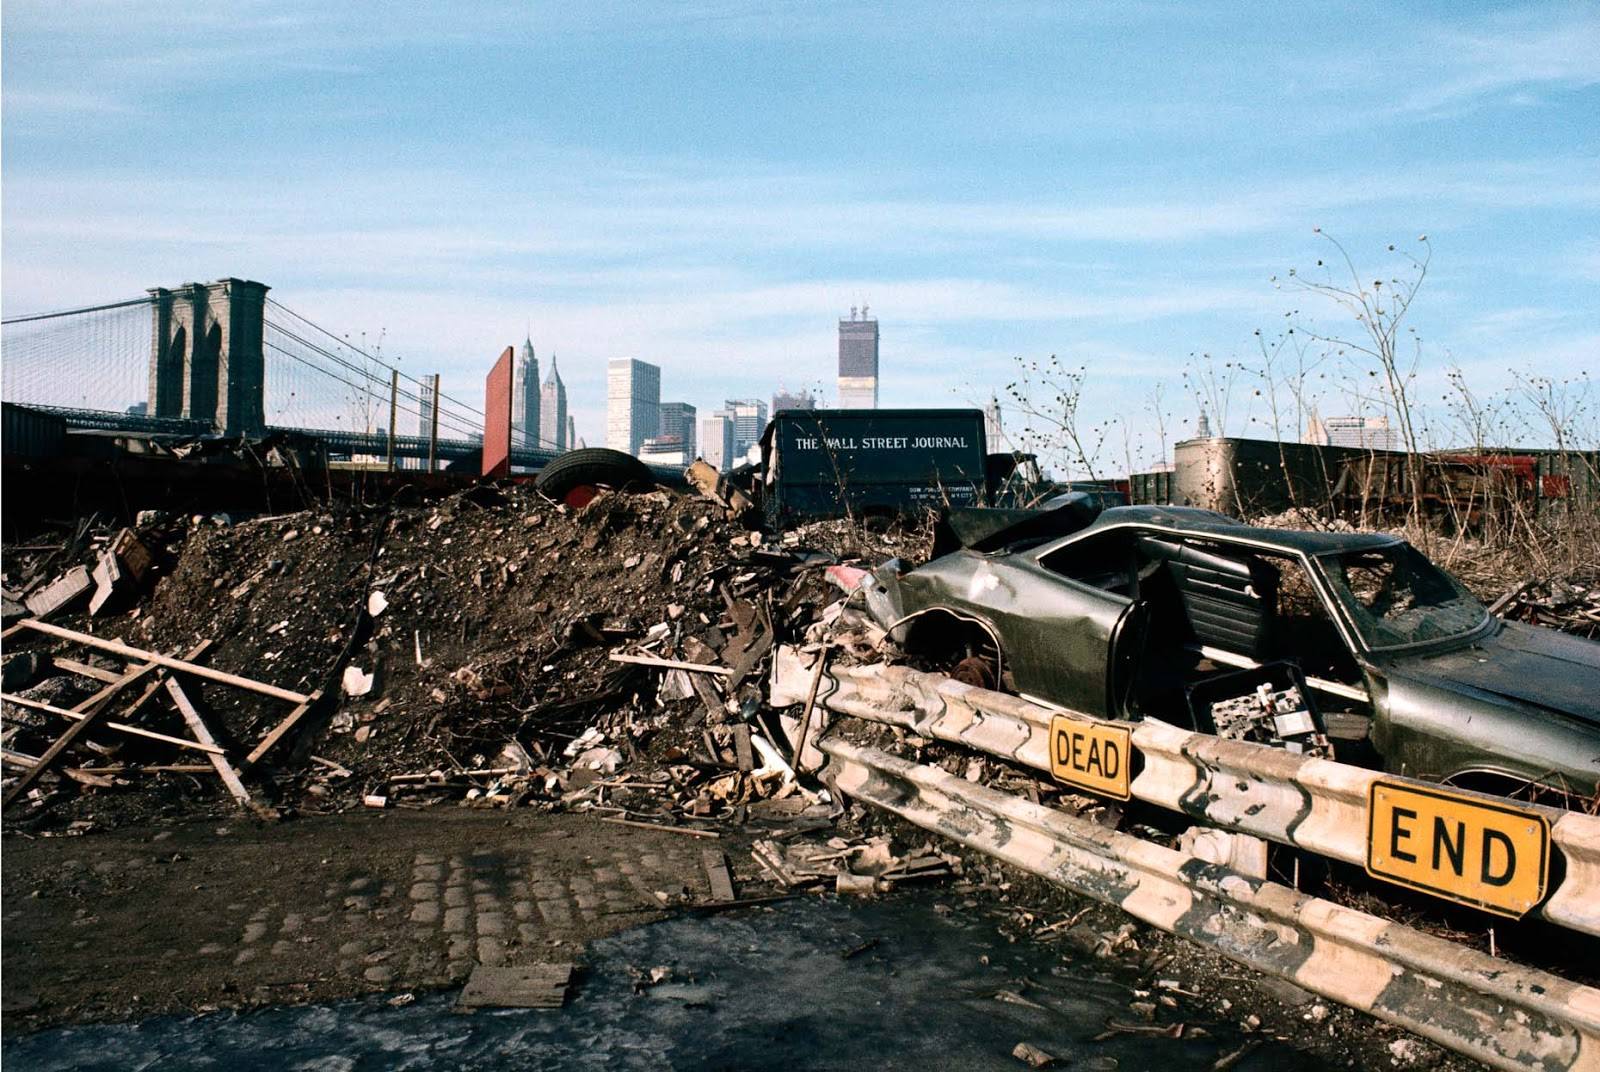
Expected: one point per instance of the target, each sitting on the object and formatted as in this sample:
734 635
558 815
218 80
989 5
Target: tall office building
553 418
525 400
428 402
677 420
716 439
1367 433
749 416
858 361
633 403
793 400
572 433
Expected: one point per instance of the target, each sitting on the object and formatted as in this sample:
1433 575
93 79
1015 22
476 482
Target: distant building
554 424
1366 433
526 402
749 416
633 403
664 450
858 361
573 442
716 439
677 419
797 400
426 404
1202 427
139 409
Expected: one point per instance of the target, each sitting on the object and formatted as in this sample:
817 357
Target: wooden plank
664 829
154 687
811 704
671 664
119 648
271 739
197 726
526 986
120 727
741 747
73 666
717 874
17 759
87 712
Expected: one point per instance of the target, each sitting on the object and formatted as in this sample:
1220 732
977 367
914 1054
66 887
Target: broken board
527 986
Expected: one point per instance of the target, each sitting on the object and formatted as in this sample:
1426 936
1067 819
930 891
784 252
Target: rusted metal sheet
1502 1014
497 418
1313 804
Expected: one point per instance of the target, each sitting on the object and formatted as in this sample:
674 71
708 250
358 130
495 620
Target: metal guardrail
1313 804
1501 1014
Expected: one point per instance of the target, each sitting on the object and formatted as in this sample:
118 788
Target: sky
710 186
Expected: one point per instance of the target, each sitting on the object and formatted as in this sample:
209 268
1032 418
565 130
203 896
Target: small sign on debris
528 986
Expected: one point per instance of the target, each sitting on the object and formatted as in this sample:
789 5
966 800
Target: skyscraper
677 419
749 416
427 402
716 439
858 361
525 399
553 411
793 400
633 403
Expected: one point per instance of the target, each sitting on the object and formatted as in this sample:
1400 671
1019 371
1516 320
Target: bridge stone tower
206 359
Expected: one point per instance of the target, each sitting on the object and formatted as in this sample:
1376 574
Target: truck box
829 462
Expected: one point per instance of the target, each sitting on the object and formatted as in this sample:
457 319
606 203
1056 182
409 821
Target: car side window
1104 561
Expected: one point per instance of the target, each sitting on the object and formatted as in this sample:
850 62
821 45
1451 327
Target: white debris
357 682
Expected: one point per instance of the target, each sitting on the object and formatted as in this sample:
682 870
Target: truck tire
577 475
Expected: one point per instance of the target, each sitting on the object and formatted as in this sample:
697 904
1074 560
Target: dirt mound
485 621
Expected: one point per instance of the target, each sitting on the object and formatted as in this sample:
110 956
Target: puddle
757 990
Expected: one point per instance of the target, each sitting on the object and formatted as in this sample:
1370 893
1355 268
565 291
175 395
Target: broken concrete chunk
377 602
357 682
528 986
1033 1056
61 593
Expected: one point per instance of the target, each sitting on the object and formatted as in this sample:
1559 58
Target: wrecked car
1332 643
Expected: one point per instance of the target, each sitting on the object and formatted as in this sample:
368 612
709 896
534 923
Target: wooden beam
86 714
154 687
671 664
73 666
119 648
197 726
271 739
120 727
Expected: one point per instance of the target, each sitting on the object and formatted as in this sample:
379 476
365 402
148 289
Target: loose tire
577 475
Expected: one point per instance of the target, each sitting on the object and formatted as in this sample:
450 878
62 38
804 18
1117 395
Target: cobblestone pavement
139 921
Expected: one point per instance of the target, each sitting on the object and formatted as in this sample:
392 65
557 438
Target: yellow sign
1091 756
1481 853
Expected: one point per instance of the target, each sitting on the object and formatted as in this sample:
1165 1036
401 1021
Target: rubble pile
492 647
1571 606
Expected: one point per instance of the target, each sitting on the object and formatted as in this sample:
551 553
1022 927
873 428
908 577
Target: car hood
1523 663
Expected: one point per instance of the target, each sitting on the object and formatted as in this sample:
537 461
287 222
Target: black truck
833 462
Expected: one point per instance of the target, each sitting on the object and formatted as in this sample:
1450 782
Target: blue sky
709 186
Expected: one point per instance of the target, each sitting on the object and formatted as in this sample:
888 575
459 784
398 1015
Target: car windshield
1397 597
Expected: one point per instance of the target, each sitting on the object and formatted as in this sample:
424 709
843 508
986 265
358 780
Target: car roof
1193 521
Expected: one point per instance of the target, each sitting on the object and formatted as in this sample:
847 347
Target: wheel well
944 637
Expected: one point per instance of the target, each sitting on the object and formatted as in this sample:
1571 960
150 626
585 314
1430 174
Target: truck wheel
576 476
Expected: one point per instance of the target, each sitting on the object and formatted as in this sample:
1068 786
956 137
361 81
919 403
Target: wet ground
769 988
